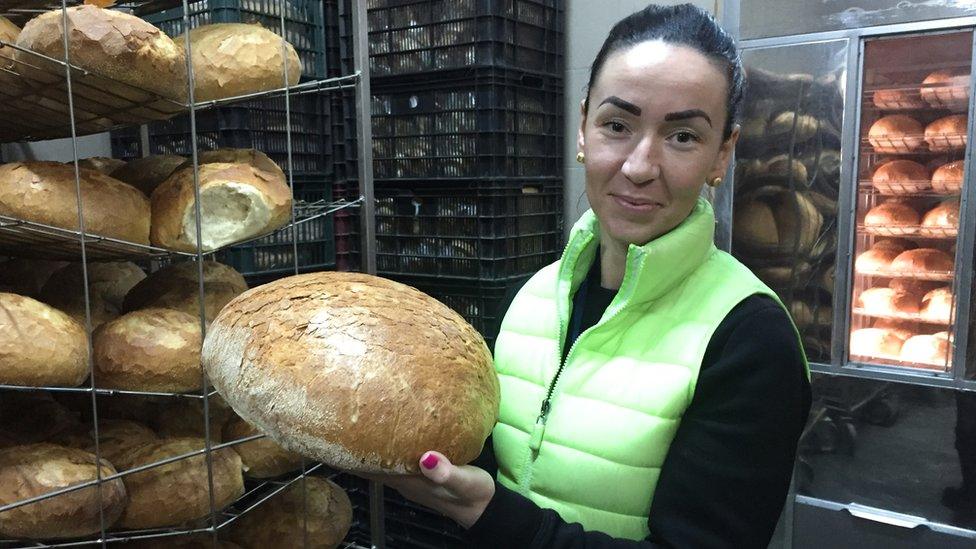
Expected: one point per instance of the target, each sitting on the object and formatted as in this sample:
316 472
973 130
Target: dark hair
685 25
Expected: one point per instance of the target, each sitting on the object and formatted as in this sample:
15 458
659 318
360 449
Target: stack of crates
261 124
467 120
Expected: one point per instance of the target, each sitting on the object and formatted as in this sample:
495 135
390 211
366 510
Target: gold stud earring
715 182
580 157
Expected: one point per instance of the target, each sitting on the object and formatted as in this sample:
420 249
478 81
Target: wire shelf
889 360
107 392
916 144
945 96
22 238
913 189
935 276
909 317
33 96
909 230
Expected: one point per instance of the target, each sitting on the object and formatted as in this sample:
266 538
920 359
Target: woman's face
652 138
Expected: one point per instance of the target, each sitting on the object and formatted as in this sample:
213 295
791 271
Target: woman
653 389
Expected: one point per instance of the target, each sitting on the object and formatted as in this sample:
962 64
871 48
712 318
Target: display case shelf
909 231
916 144
933 276
22 238
916 97
887 360
908 317
904 189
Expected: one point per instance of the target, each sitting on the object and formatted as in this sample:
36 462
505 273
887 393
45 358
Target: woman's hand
460 493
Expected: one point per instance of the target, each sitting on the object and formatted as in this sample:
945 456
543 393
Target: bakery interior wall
587 25
58 150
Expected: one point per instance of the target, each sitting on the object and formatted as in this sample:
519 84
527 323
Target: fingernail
429 462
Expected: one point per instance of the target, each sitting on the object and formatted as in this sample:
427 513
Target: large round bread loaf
178 492
901 177
177 287
149 350
926 260
101 164
40 345
108 282
148 172
111 44
37 469
896 133
251 157
948 178
892 213
947 133
8 34
947 88
231 59
320 507
44 192
943 216
262 458
359 372
237 202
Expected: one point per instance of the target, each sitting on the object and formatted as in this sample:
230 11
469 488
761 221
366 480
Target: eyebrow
625 105
684 115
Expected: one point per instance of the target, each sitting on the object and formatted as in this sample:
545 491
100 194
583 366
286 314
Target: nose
642 165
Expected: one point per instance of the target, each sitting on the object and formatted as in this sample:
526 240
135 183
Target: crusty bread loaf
251 157
149 350
791 170
913 286
901 328
947 133
788 124
44 192
115 437
943 216
927 350
380 353
262 458
231 59
101 164
112 44
937 305
947 88
896 133
778 219
175 493
108 282
36 469
876 342
896 99
875 259
149 172
901 177
238 202
923 259
39 345
316 505
8 34
26 276
177 287
27 417
892 213
885 301
948 178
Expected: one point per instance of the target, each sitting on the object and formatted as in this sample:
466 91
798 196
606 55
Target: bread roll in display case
852 198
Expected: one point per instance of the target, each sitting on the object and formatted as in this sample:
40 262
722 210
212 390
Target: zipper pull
535 441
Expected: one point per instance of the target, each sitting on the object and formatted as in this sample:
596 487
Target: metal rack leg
377 533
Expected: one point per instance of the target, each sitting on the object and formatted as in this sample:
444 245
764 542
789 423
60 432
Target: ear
579 135
721 165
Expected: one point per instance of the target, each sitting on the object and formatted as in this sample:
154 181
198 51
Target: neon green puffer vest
614 410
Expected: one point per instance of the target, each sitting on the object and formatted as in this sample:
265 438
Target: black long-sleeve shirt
728 469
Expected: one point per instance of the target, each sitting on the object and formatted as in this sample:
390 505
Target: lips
635 203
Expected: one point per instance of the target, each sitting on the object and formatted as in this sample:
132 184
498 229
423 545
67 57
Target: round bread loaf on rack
36 469
886 301
878 258
876 342
928 260
8 34
396 372
115 46
251 157
323 510
948 178
893 213
262 458
177 287
896 133
39 345
947 88
149 350
927 350
943 216
937 305
148 172
175 493
108 282
776 221
947 133
232 59
237 202
100 164
44 192
901 177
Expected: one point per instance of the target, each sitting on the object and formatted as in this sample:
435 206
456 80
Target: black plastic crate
482 230
275 254
492 122
422 36
258 124
304 26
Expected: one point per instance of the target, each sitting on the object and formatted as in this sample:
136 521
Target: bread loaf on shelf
937 305
176 493
929 350
262 458
948 178
149 172
36 469
896 133
152 349
901 177
237 202
947 88
896 99
251 157
100 164
776 221
929 260
232 59
892 213
177 287
316 505
39 345
108 282
947 133
44 192
876 342
8 34
943 216
885 301
880 256
354 333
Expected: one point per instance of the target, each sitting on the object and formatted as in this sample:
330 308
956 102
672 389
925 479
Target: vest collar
653 269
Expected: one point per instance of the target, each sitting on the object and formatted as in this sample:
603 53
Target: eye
685 138
615 126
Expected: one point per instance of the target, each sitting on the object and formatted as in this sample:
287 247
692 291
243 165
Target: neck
613 263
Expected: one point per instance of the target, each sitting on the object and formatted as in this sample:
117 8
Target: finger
459 481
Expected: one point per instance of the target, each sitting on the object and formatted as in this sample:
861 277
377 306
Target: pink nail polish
429 462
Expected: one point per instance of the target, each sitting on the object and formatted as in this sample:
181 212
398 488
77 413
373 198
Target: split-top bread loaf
357 371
